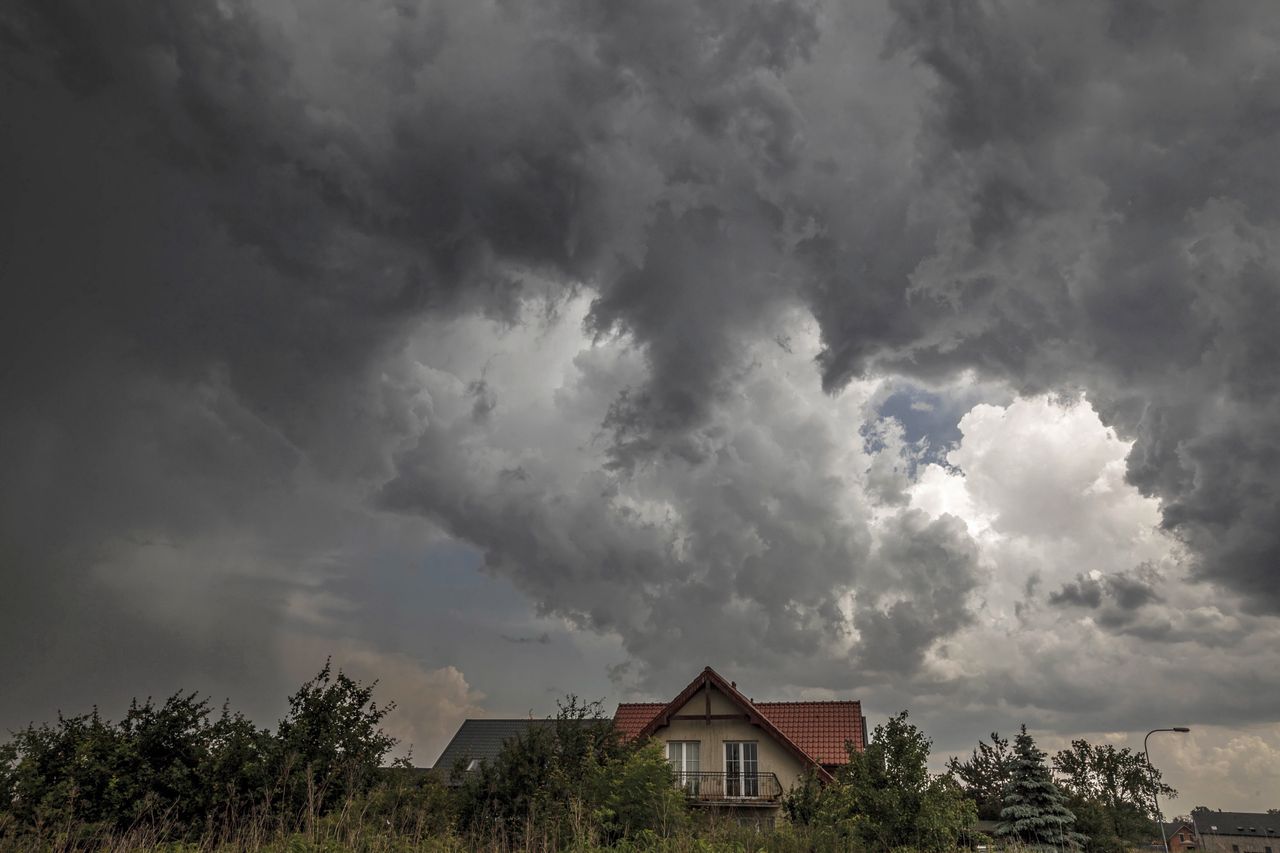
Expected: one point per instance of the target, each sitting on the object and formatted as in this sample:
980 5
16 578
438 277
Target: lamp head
1181 729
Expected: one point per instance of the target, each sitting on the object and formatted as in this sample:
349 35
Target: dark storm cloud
247 232
1127 592
1083 592
931 566
224 221
1101 214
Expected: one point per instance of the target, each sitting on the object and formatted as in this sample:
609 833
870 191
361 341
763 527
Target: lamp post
1151 771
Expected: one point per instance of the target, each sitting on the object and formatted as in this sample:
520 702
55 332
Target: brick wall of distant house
1183 838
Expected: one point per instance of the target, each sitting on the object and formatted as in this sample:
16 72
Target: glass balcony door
683 755
741 769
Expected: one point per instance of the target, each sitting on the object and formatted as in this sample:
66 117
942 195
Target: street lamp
1151 771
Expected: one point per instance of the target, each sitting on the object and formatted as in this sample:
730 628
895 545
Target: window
1235 848
683 755
741 769
474 764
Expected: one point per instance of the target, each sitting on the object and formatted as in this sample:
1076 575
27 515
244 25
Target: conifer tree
1034 809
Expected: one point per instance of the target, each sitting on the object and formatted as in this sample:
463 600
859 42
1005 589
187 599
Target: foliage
885 797
637 793
159 762
571 778
1111 791
330 745
177 767
1034 809
985 775
802 802
1113 777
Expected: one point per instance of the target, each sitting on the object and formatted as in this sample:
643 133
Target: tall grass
355 828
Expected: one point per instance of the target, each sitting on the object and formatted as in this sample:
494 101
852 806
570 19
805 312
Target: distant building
1236 832
1180 835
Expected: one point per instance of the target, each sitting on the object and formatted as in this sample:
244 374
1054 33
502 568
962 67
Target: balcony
738 789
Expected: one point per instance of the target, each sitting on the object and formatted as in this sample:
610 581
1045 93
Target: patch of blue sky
930 418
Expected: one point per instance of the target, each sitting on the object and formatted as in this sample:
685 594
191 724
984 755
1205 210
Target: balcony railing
712 787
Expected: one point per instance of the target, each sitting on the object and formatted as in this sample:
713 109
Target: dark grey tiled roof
1237 823
482 740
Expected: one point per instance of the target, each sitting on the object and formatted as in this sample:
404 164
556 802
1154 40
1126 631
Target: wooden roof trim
710 678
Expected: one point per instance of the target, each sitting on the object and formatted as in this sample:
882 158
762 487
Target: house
478 742
1236 832
1180 835
732 751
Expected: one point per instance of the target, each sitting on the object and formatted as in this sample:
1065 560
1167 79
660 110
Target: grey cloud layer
229 221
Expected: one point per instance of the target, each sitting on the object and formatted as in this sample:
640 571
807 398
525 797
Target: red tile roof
631 717
819 729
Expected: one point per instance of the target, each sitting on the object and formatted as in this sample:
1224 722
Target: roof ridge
808 702
532 720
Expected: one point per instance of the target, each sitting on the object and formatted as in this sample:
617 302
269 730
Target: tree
173 766
61 774
1113 777
330 745
802 802
237 769
636 792
885 797
1110 790
552 777
985 775
1034 809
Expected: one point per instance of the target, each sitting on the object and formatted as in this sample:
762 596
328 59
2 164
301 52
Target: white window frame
746 780
686 769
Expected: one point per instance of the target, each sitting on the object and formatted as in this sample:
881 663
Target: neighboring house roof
631 717
1257 824
816 732
482 740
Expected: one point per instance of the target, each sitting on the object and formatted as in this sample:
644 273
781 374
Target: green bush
885 798
175 769
572 779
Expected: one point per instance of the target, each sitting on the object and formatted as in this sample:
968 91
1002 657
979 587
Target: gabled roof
815 732
1236 823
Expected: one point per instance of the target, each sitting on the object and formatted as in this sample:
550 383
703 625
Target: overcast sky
916 352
